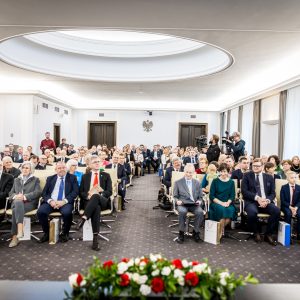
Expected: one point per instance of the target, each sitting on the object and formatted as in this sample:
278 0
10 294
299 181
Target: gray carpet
138 231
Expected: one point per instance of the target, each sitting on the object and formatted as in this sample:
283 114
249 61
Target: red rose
177 263
124 280
191 278
157 285
125 260
145 260
195 263
79 279
108 264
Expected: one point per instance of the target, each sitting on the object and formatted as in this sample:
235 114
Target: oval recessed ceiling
113 55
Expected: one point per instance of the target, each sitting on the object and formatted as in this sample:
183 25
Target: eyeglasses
256 166
96 162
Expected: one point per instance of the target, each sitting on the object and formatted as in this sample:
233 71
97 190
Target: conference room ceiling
263 38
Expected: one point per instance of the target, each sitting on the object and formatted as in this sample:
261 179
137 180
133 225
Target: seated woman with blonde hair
222 196
25 195
210 175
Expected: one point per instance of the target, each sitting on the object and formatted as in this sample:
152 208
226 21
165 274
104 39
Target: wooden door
188 133
56 134
102 133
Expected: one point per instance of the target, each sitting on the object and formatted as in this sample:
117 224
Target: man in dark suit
63 157
59 194
121 173
188 198
192 159
176 167
258 191
126 166
18 156
290 200
155 158
239 173
6 184
42 164
95 191
147 157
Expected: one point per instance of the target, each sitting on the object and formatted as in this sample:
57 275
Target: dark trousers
66 211
122 191
147 165
252 210
288 218
93 209
155 164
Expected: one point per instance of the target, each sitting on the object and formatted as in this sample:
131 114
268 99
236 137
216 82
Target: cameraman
213 151
237 146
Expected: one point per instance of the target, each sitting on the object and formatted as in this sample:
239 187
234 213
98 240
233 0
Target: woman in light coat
24 195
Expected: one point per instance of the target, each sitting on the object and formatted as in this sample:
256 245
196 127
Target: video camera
201 141
226 144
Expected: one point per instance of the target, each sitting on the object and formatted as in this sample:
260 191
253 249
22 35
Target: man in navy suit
258 191
147 157
155 158
177 167
290 200
59 194
121 173
192 159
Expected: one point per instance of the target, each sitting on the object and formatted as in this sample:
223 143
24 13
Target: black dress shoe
123 207
270 240
257 238
44 238
63 237
95 245
80 223
196 237
180 238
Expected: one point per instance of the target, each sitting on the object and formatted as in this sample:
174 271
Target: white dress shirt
55 191
189 184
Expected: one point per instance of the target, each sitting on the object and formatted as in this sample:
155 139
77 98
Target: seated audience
276 161
11 147
81 158
25 195
121 173
58 154
188 198
230 164
295 164
6 152
72 165
63 156
42 164
70 150
9 168
264 159
147 158
26 156
258 191
50 159
203 164
59 194
239 173
192 159
155 156
176 167
210 175
63 143
286 167
165 158
126 166
138 162
222 196
95 192
269 168
18 156
102 159
29 149
6 183
290 200
222 159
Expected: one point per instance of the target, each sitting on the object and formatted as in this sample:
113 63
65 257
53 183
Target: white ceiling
262 36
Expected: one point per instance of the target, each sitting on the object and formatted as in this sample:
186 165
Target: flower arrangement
154 275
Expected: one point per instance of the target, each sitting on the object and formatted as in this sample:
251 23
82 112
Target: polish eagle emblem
147 125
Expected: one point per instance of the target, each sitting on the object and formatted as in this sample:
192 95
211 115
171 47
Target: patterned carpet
141 230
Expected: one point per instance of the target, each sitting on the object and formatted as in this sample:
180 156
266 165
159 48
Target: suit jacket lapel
185 185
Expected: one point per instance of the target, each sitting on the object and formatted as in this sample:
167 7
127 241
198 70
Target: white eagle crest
147 125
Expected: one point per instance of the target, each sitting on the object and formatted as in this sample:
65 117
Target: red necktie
96 182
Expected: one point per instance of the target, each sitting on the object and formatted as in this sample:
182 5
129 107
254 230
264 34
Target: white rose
122 268
155 273
130 263
129 275
136 277
178 273
142 264
137 261
142 279
180 281
223 277
200 268
145 289
185 263
166 271
153 257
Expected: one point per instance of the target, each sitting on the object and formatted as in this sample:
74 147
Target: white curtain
291 145
247 126
234 120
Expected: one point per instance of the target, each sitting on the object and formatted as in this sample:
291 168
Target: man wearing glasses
258 191
95 191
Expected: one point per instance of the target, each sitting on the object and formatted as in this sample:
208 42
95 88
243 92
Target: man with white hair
188 198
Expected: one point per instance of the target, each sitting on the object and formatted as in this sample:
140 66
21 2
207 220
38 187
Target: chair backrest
114 180
278 185
16 165
81 169
42 175
236 189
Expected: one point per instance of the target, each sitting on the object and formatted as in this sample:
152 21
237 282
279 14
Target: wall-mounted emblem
147 125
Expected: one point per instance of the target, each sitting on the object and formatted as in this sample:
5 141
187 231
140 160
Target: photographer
213 151
237 146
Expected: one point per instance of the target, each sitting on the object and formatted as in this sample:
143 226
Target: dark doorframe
106 132
187 132
56 133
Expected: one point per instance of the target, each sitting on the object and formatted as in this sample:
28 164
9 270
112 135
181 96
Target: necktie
96 181
293 196
115 166
257 183
193 160
61 189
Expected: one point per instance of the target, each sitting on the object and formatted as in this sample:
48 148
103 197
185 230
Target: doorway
188 133
56 134
101 133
